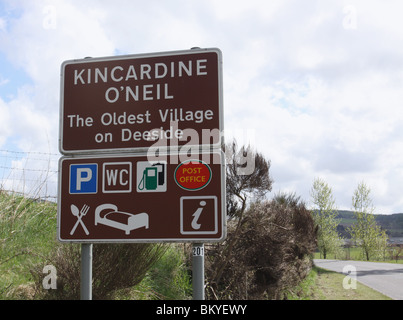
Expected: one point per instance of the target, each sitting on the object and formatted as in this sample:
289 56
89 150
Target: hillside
393 224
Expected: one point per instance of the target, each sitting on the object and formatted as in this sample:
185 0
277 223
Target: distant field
392 223
354 254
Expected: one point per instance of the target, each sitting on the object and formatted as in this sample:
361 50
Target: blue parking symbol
83 178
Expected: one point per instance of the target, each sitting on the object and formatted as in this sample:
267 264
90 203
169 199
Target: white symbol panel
198 215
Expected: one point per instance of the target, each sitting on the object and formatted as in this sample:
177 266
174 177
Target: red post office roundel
193 175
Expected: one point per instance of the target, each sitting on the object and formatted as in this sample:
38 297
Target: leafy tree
324 213
365 231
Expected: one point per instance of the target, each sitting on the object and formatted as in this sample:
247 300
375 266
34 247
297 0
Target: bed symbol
108 214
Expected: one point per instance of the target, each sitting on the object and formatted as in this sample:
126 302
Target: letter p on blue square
83 178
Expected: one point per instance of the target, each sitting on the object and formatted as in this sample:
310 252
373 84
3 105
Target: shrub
115 266
272 253
170 276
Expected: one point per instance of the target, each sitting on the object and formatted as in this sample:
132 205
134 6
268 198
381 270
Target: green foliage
324 213
28 243
392 223
306 289
365 231
115 266
27 232
169 277
321 284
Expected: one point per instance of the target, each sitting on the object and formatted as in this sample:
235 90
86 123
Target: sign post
86 271
198 271
141 138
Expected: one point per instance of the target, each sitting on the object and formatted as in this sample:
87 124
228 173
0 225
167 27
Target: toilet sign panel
137 198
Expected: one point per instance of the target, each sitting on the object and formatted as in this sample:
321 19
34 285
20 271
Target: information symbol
196 216
199 215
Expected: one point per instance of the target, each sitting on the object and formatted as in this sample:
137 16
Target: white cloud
3 24
39 45
3 81
320 85
4 122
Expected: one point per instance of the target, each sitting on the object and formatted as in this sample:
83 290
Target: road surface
386 278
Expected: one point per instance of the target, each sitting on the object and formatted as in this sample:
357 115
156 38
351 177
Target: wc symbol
196 216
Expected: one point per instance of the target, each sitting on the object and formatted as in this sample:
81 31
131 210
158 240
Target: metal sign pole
198 271
86 271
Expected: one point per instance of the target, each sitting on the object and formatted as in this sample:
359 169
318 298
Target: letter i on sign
199 215
196 216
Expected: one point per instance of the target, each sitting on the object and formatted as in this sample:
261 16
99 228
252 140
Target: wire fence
29 173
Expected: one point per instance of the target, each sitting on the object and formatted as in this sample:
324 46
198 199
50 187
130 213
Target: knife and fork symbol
79 214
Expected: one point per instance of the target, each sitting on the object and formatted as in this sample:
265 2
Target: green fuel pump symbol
152 177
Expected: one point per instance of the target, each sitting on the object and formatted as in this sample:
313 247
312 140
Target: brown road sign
131 103
139 198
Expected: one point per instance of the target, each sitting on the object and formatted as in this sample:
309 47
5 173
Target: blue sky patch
11 78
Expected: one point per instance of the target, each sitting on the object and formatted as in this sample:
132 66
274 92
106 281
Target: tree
324 213
365 231
247 177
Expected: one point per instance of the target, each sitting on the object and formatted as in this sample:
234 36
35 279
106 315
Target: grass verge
27 233
322 284
167 279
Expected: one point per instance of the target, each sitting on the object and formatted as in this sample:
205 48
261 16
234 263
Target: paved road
386 278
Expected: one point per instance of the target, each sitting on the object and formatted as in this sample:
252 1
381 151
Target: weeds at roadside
322 284
27 229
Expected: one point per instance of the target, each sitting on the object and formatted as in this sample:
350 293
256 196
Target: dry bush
271 254
114 267
268 244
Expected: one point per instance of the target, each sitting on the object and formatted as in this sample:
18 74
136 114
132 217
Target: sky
315 86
